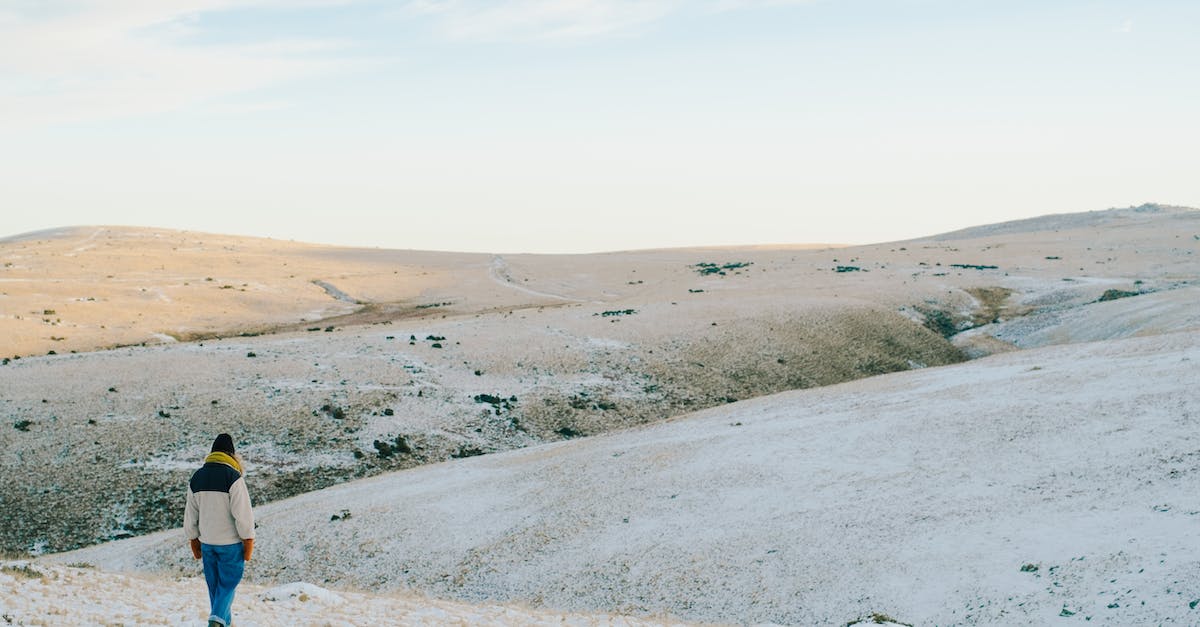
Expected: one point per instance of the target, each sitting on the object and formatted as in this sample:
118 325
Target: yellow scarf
224 458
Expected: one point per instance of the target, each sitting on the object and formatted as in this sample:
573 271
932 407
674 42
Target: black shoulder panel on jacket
213 477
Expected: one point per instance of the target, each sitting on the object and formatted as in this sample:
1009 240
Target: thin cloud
100 60
540 20
736 5
83 60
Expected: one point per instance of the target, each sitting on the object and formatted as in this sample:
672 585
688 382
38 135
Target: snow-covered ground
1144 314
46 594
1034 486
1030 487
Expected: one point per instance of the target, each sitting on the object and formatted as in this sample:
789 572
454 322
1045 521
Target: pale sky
588 125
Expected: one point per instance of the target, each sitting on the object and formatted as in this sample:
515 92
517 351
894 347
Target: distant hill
1067 221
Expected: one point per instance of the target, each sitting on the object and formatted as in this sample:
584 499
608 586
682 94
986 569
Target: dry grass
993 304
22 571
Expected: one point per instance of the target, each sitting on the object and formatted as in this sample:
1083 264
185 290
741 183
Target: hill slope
443 355
1018 488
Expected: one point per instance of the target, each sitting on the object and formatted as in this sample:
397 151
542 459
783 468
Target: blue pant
223 566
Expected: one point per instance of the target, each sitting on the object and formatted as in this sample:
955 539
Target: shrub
497 403
466 451
707 267
24 570
567 432
398 446
616 312
1112 294
939 321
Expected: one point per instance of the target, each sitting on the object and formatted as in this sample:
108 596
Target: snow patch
301 592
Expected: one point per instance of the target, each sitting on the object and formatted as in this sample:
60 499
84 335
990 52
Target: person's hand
247 549
195 542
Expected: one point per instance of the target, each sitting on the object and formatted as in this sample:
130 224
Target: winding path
499 273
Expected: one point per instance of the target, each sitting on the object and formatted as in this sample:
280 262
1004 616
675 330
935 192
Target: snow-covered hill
1120 217
1047 485
446 355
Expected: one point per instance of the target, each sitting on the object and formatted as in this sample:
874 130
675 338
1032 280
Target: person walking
219 524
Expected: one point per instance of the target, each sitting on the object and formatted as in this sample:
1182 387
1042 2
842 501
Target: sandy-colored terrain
331 364
452 355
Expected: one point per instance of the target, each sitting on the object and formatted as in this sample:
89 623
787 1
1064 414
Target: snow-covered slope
1143 314
45 594
1054 484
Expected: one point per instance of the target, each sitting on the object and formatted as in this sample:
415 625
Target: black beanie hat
223 444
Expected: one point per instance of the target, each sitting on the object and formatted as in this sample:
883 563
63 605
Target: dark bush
1112 294
466 451
616 312
972 266
498 403
399 446
567 432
